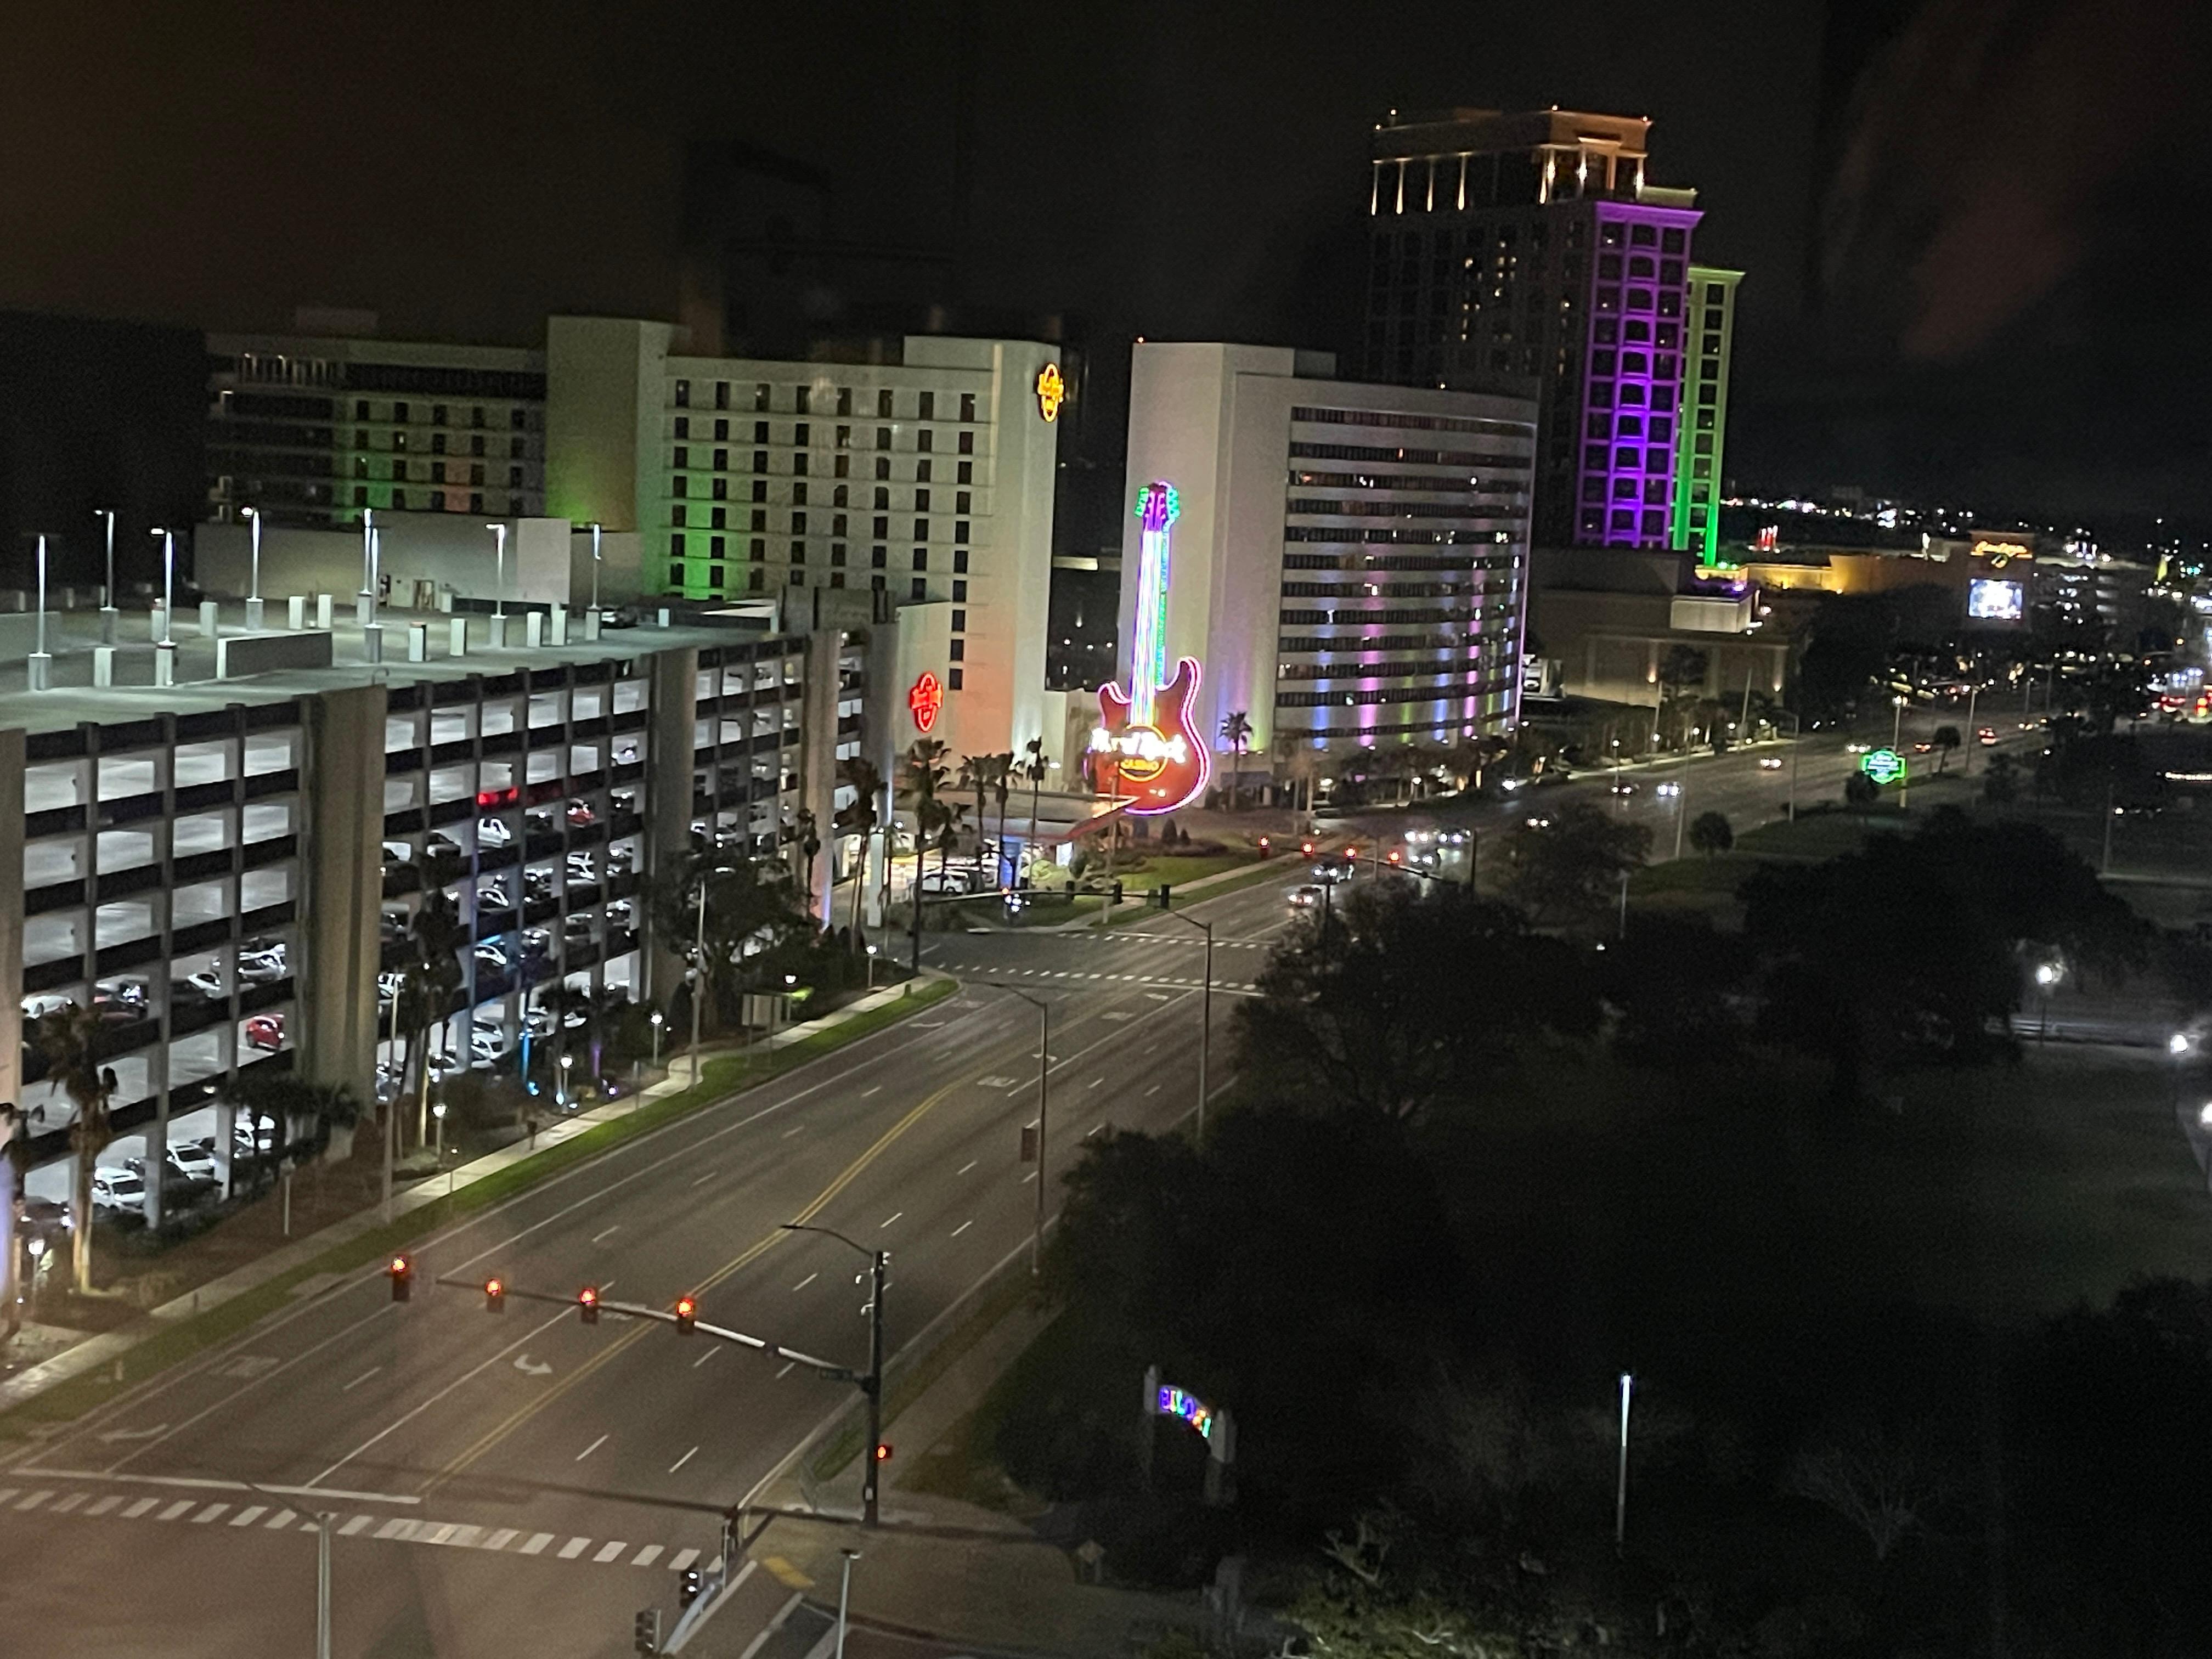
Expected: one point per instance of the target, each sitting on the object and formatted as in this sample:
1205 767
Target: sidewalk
96 1353
938 1569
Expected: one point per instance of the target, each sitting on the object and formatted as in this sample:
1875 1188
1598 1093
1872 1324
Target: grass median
168 1345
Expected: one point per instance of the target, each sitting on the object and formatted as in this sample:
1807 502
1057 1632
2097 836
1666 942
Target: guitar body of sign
1161 763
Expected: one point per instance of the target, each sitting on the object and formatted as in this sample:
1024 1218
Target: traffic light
588 1304
695 1582
687 1316
1306 848
883 1451
646 1632
1267 847
494 1295
402 1269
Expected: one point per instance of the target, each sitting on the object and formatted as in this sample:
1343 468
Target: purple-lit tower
1526 253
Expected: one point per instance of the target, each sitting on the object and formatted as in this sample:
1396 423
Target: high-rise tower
1527 253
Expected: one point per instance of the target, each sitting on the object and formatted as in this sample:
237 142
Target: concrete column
457 637
533 629
323 611
673 683
11 992
418 642
210 617
342 778
296 612
817 759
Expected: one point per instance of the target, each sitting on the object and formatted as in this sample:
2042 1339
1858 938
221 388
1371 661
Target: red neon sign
925 699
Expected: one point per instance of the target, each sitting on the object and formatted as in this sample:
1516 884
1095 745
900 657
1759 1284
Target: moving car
1668 790
1331 871
1307 896
1624 787
265 1031
1769 762
1986 735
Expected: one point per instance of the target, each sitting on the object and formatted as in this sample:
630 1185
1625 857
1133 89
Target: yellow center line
744 1258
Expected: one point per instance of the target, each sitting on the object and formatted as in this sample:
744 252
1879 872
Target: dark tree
1568 866
1711 833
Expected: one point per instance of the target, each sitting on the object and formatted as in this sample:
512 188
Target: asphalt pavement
520 1483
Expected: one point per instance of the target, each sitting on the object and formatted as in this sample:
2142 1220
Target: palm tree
925 773
1033 769
804 835
1237 733
433 979
861 819
1946 739
1002 779
978 772
69 1041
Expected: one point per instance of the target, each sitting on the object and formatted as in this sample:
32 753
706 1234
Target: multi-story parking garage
229 870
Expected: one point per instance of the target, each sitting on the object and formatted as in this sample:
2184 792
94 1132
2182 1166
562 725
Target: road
520 1483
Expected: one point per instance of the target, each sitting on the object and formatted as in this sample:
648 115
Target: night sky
1974 229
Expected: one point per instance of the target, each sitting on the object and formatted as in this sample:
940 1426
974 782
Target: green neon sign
1884 766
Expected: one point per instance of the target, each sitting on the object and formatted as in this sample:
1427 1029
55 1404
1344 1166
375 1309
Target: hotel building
1350 564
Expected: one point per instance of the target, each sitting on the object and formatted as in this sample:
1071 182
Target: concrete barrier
237 655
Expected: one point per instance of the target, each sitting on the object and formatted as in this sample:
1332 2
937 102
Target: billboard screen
1988 600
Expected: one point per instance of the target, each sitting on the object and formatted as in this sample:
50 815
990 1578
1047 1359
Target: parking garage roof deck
73 699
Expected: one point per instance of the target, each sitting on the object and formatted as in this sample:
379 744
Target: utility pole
699 975
323 1522
1974 693
871 1384
1620 1481
1205 1029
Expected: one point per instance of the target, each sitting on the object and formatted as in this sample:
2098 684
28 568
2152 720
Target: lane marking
536 1544
704 1179
38 1497
139 1508
1150 1093
705 1357
1092 1130
804 1283
279 1521
177 1508
104 1506
681 1559
249 1515
608 1552
363 1379
963 1226
787 1369
969 1165
878 1090
359 1524
645 1556
793 1130
500 1540
572 1549
888 1220
600 1238
589 1449
1030 1176
681 1461
1094 1083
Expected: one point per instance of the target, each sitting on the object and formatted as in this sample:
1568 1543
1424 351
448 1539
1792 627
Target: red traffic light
402 1272
687 1316
883 1451
494 1295
1306 848
588 1304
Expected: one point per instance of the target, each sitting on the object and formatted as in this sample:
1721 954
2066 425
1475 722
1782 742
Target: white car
194 1161
1769 762
117 1189
39 1006
494 956
494 832
1307 896
261 962
388 984
208 983
398 852
579 868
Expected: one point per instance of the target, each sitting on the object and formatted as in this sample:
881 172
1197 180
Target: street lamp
845 1596
567 1060
2047 976
656 1039
107 611
165 652
871 968
1044 1072
698 975
1205 1016
365 601
872 1385
595 568
253 610
499 585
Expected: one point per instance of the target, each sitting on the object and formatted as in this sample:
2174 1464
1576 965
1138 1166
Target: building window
756 550
719 518
798 524
960 530
880 526
957 651
960 622
676 514
960 591
837 553
721 460
921 501
476 502
721 394
798 400
920 588
799 552
399 471
802 435
683 394
716 545
757 580
922 530
967 405
361 408
960 561
844 403
967 472
922 471
877 583
759 398
676 545
967 443
884 412
721 492
953 678
843 468
760 520
922 439
760 489
676 485
676 575
683 458
878 557
437 500
921 558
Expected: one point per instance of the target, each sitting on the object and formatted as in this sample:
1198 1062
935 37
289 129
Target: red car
265 1031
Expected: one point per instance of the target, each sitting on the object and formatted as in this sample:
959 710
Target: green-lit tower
1701 433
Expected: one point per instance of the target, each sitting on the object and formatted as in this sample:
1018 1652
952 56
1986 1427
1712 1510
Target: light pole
165 652
871 968
438 1112
40 667
1206 1015
1621 1480
325 1519
872 1385
2047 976
567 1060
254 609
656 1039
1796 746
595 568
1973 696
1896 737
698 977
499 585
365 601
1044 1074
845 1597
107 611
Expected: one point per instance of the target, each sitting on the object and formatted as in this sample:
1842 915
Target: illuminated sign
1988 600
1176 1402
2000 553
1884 766
1147 744
1051 392
926 698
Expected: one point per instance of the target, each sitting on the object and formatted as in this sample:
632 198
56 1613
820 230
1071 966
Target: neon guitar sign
1147 745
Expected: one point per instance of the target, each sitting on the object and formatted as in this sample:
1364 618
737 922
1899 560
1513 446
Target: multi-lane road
519 1483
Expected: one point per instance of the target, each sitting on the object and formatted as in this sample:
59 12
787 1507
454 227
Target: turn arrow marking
529 1367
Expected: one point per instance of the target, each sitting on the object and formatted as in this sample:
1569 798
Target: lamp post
2047 976
499 585
845 1597
40 667
562 1099
1205 1014
871 1385
365 601
164 651
253 606
1044 1074
698 977
1621 1480
438 1112
595 567
108 613
1973 696
656 1039
871 968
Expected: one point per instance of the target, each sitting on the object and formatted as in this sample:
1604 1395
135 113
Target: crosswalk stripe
396 1530
359 1523
434 1533
574 1547
279 1521
647 1555
38 1497
139 1508
681 1559
104 1506
249 1515
69 1503
462 1538
176 1508
608 1552
500 1540
538 1540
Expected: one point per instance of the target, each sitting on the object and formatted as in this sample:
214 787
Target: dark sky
1973 227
